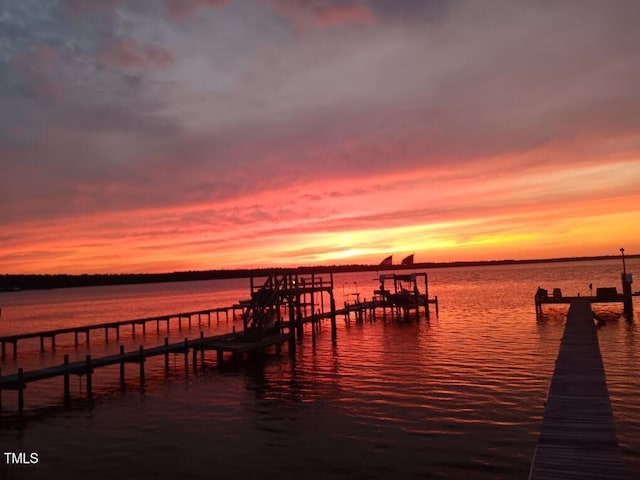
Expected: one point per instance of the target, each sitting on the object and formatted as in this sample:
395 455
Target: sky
171 135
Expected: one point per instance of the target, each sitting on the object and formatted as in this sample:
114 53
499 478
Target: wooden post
186 355
627 295
166 355
15 349
117 332
41 343
179 323
122 366
195 359
53 342
89 380
220 357
4 349
20 392
75 334
334 332
106 334
426 296
292 330
133 329
144 328
202 349
141 365
87 336
66 389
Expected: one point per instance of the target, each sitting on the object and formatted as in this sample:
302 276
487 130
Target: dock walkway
578 435
86 329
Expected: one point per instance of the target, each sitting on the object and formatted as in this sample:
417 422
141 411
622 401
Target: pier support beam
122 371
20 392
89 379
627 295
186 355
166 355
334 332
292 330
141 360
66 389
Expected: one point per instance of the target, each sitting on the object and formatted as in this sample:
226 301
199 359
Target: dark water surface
458 396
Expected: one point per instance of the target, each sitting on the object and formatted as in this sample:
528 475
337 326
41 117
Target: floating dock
578 435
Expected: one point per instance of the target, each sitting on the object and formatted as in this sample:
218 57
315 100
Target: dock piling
122 370
66 388
186 355
166 355
89 379
141 365
334 333
20 392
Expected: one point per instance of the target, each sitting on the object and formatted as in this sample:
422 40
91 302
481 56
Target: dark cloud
179 8
131 53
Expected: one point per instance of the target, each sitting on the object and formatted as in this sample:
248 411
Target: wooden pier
275 314
578 435
236 343
116 326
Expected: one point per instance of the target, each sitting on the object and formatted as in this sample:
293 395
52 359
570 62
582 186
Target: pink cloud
304 14
131 53
341 15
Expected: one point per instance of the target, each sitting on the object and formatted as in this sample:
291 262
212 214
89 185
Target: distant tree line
13 282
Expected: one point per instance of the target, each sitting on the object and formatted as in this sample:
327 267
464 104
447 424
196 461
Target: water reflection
460 395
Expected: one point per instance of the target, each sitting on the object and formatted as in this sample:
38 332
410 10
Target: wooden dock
116 326
275 314
578 435
236 343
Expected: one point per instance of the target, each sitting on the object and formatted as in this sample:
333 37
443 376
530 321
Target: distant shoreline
17 282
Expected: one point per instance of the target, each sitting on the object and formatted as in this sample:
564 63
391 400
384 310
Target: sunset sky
150 136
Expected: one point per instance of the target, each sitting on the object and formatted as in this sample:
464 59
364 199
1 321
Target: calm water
458 396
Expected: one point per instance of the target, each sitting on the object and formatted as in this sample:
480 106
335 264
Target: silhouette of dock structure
578 435
275 314
603 294
85 330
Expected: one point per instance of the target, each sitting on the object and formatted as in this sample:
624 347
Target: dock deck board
578 435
